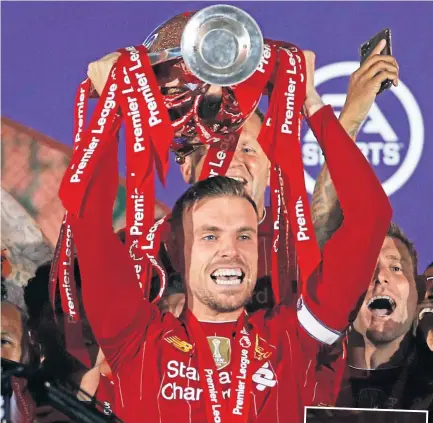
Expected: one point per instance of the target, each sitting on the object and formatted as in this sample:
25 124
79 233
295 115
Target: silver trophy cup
221 45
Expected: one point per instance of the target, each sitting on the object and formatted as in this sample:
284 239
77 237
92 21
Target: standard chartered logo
181 382
400 155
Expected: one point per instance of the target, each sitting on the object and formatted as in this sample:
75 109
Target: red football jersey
154 357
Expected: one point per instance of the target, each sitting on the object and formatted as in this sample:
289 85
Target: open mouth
381 305
227 276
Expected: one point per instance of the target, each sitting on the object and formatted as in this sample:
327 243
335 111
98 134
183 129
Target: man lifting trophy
195 81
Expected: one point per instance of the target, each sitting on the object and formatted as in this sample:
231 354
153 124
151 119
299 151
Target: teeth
380 309
228 281
227 272
226 276
380 297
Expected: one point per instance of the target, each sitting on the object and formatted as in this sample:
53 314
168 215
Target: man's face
250 164
220 252
12 332
389 306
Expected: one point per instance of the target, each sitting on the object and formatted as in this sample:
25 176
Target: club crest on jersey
178 343
245 342
221 350
259 352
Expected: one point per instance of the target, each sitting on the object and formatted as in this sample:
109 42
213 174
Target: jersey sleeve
319 367
350 256
323 368
114 304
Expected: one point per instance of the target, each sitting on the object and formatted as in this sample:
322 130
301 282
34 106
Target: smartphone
366 49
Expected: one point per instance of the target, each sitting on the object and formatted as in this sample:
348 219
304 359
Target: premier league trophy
221 45
195 81
213 67
198 57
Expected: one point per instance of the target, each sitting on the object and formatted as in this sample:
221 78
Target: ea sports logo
391 137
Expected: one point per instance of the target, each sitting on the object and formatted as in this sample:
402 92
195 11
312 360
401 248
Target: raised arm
349 257
363 87
114 303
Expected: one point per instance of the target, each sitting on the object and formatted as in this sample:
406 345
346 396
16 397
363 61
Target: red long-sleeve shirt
155 380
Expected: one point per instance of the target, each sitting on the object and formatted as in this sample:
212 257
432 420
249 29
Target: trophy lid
222 45
168 34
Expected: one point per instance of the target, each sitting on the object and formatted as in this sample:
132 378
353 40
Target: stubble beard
386 335
216 303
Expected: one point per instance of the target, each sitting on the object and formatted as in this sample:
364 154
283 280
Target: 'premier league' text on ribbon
144 88
67 266
286 127
109 104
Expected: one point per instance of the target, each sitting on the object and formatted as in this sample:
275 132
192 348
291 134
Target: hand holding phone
367 48
366 82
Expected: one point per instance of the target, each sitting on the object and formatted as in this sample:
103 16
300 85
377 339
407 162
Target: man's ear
186 170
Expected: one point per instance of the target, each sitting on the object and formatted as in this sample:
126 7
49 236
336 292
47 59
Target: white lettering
172 391
136 228
286 127
301 234
80 114
67 277
265 58
109 104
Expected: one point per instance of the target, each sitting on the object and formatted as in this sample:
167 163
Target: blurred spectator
16 344
425 309
428 273
17 347
57 364
15 339
389 367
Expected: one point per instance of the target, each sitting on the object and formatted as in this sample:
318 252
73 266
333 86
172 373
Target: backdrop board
46 47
